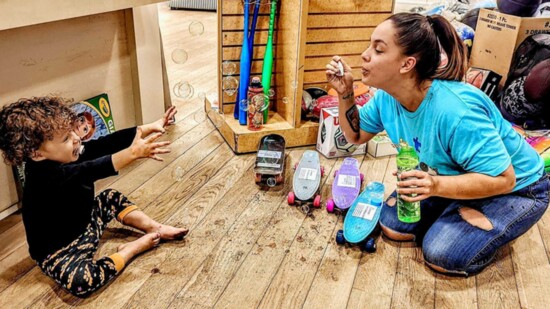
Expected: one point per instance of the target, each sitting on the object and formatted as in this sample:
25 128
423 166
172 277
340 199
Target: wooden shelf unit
307 34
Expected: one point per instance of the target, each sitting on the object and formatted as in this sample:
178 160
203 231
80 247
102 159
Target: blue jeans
452 245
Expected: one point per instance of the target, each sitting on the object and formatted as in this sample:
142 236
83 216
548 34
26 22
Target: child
63 220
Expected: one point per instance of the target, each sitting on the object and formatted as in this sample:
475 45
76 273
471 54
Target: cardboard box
330 140
380 146
486 80
497 37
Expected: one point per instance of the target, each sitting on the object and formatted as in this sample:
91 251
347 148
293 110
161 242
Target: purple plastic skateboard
346 185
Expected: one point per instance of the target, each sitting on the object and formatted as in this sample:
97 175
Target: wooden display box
307 34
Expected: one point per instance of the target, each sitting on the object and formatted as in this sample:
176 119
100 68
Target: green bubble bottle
407 159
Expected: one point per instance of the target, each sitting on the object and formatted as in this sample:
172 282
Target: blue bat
244 70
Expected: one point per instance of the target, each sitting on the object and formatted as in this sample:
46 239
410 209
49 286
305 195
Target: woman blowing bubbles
489 186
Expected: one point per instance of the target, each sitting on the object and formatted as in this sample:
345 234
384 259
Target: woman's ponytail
452 45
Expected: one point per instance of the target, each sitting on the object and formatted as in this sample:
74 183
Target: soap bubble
183 90
260 102
179 56
271 92
196 28
294 84
230 85
229 68
177 173
286 100
243 105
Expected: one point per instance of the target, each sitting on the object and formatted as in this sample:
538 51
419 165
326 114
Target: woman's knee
443 256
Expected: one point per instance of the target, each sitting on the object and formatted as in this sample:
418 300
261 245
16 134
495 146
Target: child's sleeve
108 144
87 171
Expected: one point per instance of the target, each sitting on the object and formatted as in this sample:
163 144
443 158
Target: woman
489 185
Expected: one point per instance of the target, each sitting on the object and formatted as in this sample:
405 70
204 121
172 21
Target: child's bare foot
168 232
139 245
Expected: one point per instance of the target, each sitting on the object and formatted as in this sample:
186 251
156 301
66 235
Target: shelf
242 140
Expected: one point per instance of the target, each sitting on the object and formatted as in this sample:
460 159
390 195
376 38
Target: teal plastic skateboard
362 218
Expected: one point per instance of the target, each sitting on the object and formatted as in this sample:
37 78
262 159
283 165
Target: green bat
268 57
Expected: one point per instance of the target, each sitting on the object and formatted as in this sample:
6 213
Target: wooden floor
246 247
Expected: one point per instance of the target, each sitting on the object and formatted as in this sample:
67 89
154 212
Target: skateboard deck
307 177
270 160
346 185
364 213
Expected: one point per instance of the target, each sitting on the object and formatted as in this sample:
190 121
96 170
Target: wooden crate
307 34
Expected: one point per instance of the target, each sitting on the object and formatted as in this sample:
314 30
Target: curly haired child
63 219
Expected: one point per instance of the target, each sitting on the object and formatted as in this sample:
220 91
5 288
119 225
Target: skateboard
307 181
269 168
346 186
362 218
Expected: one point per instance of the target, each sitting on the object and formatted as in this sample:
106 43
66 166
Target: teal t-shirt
456 129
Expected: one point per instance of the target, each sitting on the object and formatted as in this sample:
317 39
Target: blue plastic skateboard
362 218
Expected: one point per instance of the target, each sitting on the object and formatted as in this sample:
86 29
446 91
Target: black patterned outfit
64 221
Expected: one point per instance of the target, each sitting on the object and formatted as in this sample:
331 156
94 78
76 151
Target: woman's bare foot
168 232
140 245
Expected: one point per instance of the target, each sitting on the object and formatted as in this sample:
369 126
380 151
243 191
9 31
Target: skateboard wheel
271 182
362 177
291 198
317 201
335 173
295 166
322 171
279 179
330 205
305 209
340 237
257 177
370 245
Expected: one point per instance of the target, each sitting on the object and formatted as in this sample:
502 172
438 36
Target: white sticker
271 165
365 211
347 181
269 154
308 173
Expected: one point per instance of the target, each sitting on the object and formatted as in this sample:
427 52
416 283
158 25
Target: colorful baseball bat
253 28
268 57
244 70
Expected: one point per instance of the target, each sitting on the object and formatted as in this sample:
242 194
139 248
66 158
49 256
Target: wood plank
15 266
496 285
343 20
12 239
319 63
291 283
320 76
234 53
456 292
347 6
135 178
334 279
173 133
228 197
232 7
367 287
337 36
235 23
414 282
330 49
211 279
531 268
10 221
544 229
234 38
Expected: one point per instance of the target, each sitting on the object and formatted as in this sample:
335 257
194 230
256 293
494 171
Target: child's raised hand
147 147
161 124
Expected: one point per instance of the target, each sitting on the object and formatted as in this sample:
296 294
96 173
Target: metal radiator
206 5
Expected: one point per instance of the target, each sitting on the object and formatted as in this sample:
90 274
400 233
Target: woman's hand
416 185
161 124
147 147
341 83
